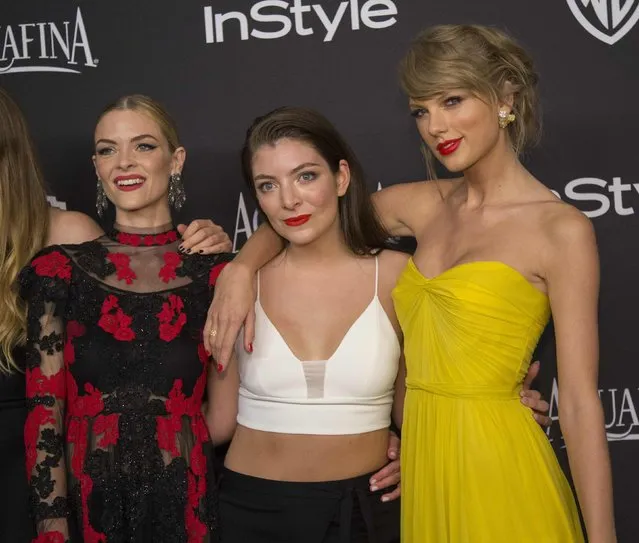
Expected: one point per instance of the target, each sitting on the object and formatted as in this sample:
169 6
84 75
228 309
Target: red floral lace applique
114 321
81 410
39 384
171 318
136 240
74 330
177 405
122 265
49 537
107 425
53 264
171 261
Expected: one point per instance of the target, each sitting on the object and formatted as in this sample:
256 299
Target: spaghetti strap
258 285
376 273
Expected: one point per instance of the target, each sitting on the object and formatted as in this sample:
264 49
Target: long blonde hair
24 220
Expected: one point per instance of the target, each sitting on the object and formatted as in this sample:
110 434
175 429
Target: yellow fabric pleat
476 467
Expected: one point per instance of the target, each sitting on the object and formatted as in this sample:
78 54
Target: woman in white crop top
316 392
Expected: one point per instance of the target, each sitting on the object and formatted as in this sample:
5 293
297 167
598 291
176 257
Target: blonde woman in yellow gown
497 252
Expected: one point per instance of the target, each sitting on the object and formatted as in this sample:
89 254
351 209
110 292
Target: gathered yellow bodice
470 331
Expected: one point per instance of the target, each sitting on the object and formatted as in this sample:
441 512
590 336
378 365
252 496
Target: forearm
582 425
260 248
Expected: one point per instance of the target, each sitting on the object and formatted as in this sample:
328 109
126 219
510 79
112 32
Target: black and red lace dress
117 448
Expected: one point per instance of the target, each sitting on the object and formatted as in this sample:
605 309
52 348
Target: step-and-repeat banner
216 64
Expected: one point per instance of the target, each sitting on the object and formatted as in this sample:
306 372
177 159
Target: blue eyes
304 177
308 176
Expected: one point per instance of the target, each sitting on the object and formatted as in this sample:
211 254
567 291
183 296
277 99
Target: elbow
579 408
221 431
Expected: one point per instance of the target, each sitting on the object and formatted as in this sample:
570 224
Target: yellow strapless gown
476 467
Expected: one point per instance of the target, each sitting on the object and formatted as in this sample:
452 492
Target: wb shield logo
606 20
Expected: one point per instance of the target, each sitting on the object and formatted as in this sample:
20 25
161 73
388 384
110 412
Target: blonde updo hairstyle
482 60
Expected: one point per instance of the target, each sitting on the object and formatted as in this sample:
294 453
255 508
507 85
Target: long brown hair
362 230
24 220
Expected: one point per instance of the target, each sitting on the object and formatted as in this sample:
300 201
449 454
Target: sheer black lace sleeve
45 285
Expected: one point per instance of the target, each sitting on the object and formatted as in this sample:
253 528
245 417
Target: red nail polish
250 347
220 368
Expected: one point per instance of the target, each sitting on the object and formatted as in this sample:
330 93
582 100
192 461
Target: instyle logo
622 423
596 197
606 20
54 46
273 19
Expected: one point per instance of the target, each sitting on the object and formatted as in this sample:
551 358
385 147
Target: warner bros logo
606 20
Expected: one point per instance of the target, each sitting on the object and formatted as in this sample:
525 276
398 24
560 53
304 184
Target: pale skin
498 211
299 290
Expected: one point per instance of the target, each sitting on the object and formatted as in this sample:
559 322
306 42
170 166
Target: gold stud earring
505 118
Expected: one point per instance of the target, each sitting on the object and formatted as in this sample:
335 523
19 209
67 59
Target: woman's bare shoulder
68 227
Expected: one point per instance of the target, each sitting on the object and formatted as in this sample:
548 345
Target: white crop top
350 393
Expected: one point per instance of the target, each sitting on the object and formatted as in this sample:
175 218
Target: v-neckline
339 346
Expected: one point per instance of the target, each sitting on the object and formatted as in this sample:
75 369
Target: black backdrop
64 60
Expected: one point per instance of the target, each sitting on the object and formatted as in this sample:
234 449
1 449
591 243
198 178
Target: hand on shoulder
71 227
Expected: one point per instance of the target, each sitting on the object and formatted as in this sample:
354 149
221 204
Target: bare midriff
306 458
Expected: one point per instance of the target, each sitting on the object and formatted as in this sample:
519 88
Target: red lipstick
123 182
297 221
448 147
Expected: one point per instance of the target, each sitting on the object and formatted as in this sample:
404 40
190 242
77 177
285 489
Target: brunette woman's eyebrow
302 166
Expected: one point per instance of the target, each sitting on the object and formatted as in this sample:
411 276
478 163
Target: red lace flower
198 460
215 272
107 425
196 529
122 267
172 319
53 264
110 302
171 261
74 330
177 403
89 404
39 384
49 537
114 321
167 428
129 239
148 239
200 431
